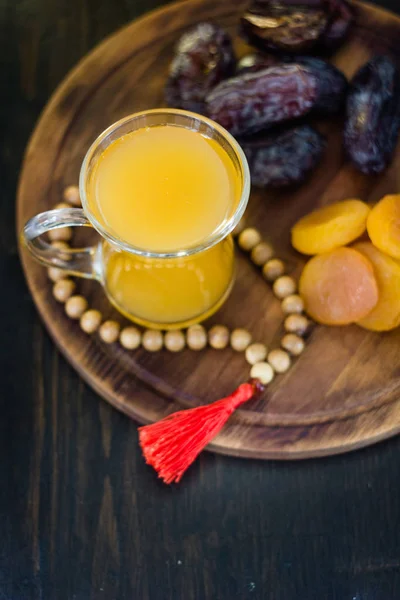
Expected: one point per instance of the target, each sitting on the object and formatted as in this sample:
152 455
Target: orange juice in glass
164 188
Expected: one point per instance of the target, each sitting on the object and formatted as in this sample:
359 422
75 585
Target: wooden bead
76 306
60 245
261 253
63 289
196 337
240 339
249 238
262 371
292 304
62 205
273 269
279 360
152 340
218 337
239 227
256 353
62 233
284 286
71 195
56 274
293 344
109 331
130 338
90 321
174 341
296 324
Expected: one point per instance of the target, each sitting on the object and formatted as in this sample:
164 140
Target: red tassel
172 444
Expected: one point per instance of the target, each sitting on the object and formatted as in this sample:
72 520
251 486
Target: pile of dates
264 98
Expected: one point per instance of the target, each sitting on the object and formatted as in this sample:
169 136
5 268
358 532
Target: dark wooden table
81 516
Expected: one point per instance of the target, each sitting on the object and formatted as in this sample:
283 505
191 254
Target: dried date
255 101
297 26
285 158
373 115
284 26
204 56
332 84
341 20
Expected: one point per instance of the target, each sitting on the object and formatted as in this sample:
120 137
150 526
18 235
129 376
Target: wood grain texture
343 392
81 516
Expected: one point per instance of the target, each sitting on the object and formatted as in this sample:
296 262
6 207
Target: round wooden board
343 392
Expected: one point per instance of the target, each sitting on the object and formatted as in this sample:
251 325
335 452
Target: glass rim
213 238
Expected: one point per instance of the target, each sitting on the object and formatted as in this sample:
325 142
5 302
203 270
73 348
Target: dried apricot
330 227
383 225
386 314
338 287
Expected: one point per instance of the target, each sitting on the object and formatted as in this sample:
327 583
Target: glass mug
163 290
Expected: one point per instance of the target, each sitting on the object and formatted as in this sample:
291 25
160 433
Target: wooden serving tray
343 392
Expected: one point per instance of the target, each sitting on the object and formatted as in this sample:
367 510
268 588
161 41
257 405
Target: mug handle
82 262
